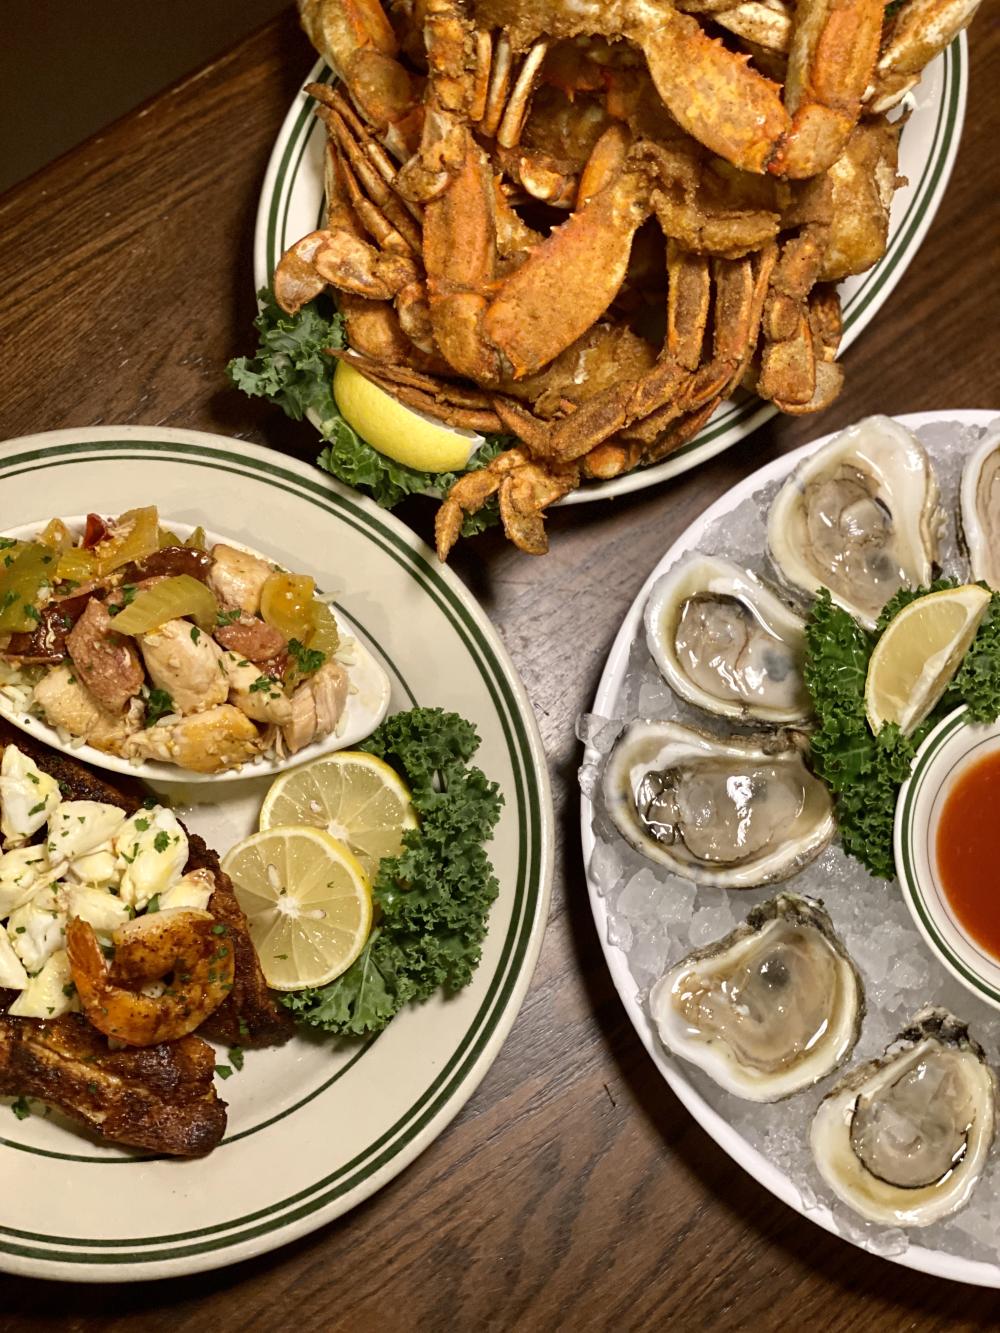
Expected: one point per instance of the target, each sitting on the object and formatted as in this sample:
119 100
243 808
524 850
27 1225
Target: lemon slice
399 432
357 798
918 654
307 901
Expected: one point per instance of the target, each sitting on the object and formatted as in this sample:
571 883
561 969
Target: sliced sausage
106 662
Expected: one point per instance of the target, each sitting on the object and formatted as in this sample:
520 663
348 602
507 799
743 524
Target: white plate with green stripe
320 1124
291 204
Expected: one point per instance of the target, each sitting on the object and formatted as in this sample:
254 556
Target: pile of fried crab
585 224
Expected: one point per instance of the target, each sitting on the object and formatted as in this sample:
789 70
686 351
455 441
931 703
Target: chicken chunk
252 638
317 705
66 702
256 694
106 662
236 578
207 742
185 662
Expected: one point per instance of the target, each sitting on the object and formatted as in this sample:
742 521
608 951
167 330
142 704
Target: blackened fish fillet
161 1098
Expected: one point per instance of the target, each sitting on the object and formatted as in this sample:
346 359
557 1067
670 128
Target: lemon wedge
919 653
399 432
307 901
356 797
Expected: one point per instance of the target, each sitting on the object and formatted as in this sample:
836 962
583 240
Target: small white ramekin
944 756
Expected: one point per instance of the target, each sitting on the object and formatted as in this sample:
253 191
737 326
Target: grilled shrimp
188 951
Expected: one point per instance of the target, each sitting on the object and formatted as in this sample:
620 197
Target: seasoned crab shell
725 642
770 1009
860 517
736 812
904 1139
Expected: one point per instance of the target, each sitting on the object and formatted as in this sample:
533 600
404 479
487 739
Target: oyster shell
904 1139
859 517
734 812
980 501
726 643
768 1010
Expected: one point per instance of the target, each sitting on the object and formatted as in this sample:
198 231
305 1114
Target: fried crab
586 224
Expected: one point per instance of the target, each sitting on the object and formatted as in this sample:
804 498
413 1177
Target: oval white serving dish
366 705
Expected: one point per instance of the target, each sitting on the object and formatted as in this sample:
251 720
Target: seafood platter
220 763
572 232
741 856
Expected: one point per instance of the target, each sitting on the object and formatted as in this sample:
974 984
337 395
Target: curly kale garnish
434 897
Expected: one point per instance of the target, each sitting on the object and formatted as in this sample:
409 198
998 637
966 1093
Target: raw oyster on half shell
725 642
735 812
770 1009
904 1139
980 501
860 517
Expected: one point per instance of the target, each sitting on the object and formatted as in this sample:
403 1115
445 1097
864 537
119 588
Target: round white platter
320 1124
675 1072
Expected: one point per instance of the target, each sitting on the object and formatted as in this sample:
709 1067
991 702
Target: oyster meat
725 642
980 501
768 1010
734 812
904 1139
860 517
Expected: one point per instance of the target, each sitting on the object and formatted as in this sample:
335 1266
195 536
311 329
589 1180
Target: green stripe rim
529 883
751 412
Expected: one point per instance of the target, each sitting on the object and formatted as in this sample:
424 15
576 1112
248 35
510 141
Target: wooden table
573 1189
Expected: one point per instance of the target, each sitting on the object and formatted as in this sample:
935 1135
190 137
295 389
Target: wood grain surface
574 1190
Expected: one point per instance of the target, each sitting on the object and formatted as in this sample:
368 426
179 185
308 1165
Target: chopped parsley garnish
262 683
162 841
159 704
154 904
236 1057
21 1108
223 1071
307 660
195 633
227 617
142 825
36 809
128 592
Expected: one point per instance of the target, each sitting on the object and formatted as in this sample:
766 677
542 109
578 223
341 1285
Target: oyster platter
741 870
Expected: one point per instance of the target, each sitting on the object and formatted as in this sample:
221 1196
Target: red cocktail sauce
968 852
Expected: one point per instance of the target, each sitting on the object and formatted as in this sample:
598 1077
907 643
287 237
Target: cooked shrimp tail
188 951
